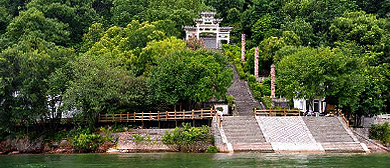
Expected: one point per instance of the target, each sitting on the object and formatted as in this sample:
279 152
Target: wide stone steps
343 147
258 147
243 129
327 129
288 134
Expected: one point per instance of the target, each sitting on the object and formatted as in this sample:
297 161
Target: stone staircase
244 134
242 95
333 134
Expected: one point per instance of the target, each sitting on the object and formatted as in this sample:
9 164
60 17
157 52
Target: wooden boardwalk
158 116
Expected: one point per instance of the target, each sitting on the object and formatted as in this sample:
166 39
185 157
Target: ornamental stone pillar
272 81
257 62
243 47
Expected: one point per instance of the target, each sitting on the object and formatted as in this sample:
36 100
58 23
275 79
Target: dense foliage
380 132
84 58
189 139
337 50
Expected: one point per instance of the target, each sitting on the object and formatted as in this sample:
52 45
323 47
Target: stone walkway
243 95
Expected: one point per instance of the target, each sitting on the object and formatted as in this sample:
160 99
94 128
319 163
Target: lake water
183 160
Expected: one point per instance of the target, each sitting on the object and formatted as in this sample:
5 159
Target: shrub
380 132
251 79
212 149
87 142
240 71
230 100
188 139
267 101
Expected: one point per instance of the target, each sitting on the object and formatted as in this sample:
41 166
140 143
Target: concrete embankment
289 134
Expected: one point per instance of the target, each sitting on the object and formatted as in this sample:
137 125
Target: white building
317 105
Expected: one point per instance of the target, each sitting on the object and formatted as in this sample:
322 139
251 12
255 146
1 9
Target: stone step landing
343 147
249 147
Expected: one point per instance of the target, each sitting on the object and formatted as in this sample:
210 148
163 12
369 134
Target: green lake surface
182 160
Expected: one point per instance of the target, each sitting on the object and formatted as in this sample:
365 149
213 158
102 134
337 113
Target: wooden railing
343 117
157 116
277 112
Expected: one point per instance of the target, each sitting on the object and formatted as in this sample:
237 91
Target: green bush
230 100
212 149
380 132
251 79
267 101
240 71
188 139
87 142
231 51
256 90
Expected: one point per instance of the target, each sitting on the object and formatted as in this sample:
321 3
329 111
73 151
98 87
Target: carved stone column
257 62
243 47
272 81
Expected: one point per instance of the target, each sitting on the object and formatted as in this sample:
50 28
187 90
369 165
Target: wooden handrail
343 117
157 116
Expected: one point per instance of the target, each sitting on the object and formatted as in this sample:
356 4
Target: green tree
380 7
190 76
77 14
262 29
303 29
223 6
24 72
317 12
32 23
155 50
100 85
124 11
321 72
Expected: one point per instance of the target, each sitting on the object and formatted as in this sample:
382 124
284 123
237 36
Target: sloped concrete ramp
288 134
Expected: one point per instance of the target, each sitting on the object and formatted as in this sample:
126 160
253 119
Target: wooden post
127 117
106 117
134 117
175 114
192 115
150 115
99 118
219 121
254 111
299 112
166 115
184 114
201 113
270 112
120 117
158 118
142 118
284 112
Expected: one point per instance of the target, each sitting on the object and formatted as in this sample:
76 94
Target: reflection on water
197 160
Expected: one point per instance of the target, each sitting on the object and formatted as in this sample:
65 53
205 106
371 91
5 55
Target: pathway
242 95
